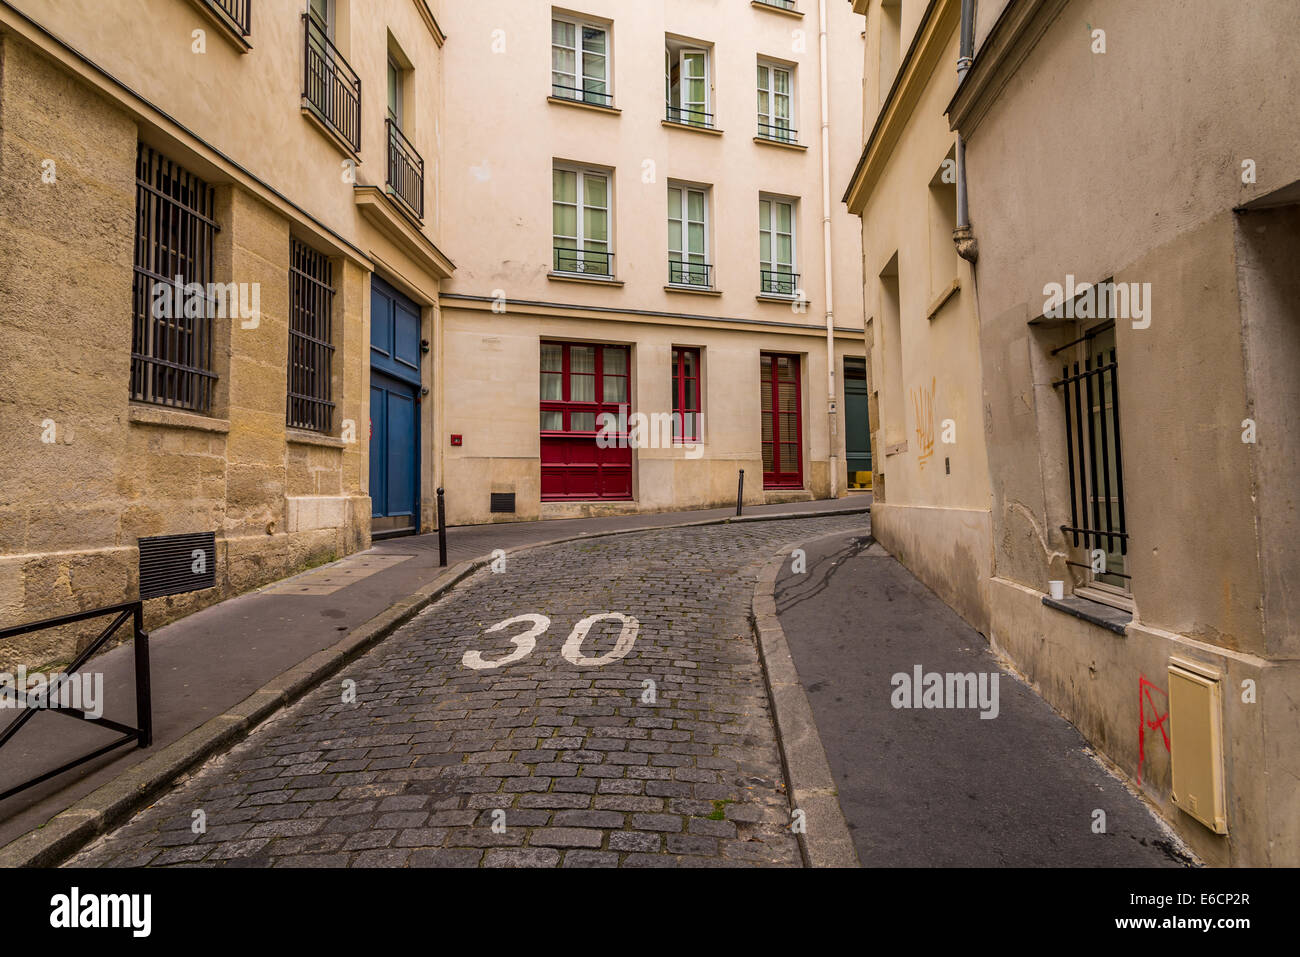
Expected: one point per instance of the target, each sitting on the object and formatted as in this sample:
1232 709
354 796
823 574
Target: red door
782 421
580 385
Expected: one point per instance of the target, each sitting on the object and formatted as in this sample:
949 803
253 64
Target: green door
857 429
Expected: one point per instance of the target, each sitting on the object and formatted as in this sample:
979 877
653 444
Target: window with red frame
579 384
686 395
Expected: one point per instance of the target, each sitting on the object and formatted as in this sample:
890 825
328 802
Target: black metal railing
331 89
54 697
778 283
689 274
1091 432
783 4
586 262
172 307
405 171
778 133
311 350
236 14
562 92
689 117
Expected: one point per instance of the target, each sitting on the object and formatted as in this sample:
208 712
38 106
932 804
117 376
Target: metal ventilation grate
174 564
503 502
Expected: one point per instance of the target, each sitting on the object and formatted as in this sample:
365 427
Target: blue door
394 411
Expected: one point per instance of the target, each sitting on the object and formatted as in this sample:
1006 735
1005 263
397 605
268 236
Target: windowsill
304 437
329 132
781 144
582 105
1112 619
574 277
784 300
773 8
237 40
693 290
943 297
672 124
894 448
142 414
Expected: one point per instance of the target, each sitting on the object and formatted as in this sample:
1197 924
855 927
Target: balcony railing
783 4
236 14
584 262
778 283
689 117
689 274
562 92
405 171
778 133
331 89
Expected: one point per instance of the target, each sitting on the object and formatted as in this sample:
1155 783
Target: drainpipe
827 275
967 247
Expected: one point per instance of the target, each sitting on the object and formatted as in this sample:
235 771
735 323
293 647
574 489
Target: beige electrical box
1196 742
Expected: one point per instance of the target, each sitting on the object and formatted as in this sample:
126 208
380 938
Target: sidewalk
944 787
209 662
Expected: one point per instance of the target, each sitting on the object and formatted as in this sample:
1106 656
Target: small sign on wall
175 564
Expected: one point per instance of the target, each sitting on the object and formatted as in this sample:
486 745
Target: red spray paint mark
1150 716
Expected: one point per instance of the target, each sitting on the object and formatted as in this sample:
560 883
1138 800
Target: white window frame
580 240
770 227
770 68
681 107
683 213
578 93
331 16
395 74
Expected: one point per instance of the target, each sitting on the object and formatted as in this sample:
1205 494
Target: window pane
784 217
551 382
784 250
696 234
615 388
552 421
675 236
674 202
593 40
564 186
762 78
582 421
562 33
615 361
595 225
782 81
565 223
695 205
691 361
595 190
582 359
582 388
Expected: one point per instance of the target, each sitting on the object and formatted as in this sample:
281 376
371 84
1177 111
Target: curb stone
826 841
73 828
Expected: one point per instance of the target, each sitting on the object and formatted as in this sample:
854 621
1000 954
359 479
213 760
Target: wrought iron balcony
584 262
235 14
689 117
778 283
690 274
778 133
405 171
331 88
562 92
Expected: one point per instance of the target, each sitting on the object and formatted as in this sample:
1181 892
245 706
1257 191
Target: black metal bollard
442 532
740 491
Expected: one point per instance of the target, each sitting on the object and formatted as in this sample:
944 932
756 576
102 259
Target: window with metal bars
1094 456
311 349
171 333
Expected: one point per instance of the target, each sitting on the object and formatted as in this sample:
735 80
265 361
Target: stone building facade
248 149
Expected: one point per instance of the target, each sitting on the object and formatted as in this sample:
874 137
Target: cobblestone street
470 746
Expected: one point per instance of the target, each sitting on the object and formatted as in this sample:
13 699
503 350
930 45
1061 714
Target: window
782 421
686 84
405 169
688 236
891 39
580 62
311 350
943 220
331 88
1094 460
581 222
776 103
776 248
686 395
395 77
172 289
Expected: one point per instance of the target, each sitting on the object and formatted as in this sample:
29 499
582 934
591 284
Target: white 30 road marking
572 651
526 642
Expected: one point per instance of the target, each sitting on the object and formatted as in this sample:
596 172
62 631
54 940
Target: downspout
967 248
827 274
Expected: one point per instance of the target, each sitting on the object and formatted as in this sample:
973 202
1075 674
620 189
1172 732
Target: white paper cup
1056 590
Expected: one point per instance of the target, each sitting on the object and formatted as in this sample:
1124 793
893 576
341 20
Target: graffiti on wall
923 403
1153 715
